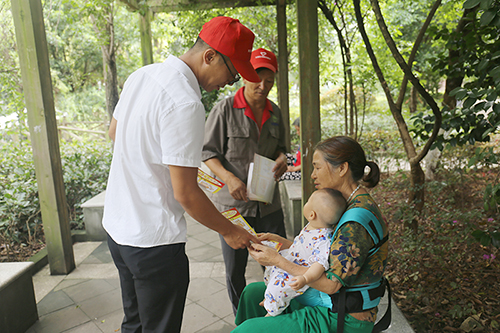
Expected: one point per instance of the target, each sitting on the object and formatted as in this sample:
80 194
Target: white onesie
308 247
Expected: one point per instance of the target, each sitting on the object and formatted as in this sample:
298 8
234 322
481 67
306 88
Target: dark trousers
236 260
154 283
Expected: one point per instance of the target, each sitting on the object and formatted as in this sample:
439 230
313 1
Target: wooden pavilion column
37 86
310 130
146 43
283 99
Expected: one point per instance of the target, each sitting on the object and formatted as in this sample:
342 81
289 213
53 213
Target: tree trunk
111 79
108 49
416 194
349 114
413 100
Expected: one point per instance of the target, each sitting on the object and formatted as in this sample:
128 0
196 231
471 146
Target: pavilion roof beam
158 6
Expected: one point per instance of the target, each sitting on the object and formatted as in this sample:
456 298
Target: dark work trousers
154 283
236 260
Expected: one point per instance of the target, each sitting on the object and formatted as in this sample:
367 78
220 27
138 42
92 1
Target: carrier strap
381 325
368 220
370 294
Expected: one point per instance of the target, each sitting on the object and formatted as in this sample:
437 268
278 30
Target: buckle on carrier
359 298
346 301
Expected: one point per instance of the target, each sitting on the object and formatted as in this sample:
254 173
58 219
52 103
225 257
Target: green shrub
85 172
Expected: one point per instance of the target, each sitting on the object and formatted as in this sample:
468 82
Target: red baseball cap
264 58
234 40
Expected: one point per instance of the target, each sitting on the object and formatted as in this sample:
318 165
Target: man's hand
298 282
280 167
239 238
237 188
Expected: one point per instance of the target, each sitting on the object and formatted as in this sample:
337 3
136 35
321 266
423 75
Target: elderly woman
358 254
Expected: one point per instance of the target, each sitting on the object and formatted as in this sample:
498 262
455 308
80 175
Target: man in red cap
158 127
236 129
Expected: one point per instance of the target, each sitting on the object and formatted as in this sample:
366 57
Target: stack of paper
261 183
208 182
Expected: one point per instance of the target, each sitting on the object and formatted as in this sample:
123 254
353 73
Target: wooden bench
17 297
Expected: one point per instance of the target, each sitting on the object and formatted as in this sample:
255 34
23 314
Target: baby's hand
298 282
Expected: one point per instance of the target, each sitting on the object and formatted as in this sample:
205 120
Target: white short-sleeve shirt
160 122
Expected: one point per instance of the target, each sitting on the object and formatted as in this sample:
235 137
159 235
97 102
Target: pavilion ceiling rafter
158 6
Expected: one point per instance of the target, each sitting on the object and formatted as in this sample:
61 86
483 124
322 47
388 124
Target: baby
310 248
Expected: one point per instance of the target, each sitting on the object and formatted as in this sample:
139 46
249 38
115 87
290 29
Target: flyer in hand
208 182
234 216
261 182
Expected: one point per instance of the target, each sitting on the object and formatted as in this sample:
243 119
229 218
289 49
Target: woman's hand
277 238
265 255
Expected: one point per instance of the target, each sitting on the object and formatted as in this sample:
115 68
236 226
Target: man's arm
198 206
236 187
112 129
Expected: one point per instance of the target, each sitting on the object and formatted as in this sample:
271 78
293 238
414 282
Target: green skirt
297 318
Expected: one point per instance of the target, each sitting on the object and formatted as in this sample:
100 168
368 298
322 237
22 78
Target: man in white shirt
158 129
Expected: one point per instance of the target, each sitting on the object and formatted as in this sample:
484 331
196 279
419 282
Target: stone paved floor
88 299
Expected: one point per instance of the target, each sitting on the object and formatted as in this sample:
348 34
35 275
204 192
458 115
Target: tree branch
416 83
414 50
396 112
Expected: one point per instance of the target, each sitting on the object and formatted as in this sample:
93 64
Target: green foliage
476 59
85 168
19 205
488 157
11 96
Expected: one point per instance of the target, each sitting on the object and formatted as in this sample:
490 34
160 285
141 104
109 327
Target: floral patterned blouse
349 261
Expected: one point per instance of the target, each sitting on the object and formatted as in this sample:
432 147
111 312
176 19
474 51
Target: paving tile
197 318
202 288
82 250
44 283
114 282
218 304
193 243
207 236
216 244
91 260
87 289
218 270
218 327
68 283
203 253
102 253
102 304
54 301
61 320
230 320
111 322
200 269
94 271
89 327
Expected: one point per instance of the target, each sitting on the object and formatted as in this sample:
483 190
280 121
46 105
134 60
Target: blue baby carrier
362 297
